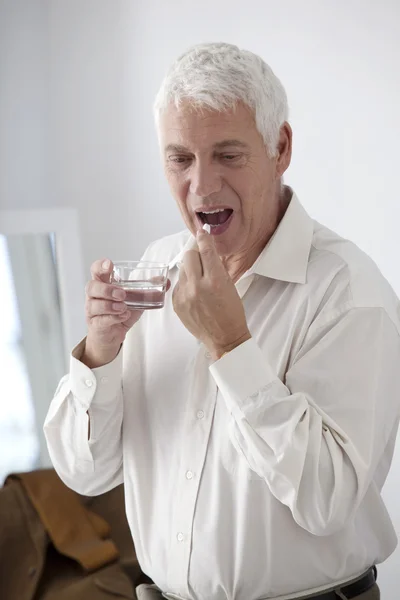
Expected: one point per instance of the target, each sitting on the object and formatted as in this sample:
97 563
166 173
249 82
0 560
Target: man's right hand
107 316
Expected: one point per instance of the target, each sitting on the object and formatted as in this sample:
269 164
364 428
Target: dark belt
351 590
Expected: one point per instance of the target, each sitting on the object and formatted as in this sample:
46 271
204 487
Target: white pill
207 227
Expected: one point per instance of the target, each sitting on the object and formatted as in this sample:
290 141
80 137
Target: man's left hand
206 300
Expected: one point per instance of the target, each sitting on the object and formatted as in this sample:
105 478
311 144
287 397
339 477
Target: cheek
246 183
179 189
249 192
252 204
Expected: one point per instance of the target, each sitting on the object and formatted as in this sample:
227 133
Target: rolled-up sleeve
317 437
93 465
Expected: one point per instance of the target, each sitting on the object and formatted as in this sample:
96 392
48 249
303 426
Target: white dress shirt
259 475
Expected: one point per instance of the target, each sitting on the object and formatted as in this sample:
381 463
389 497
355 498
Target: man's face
217 161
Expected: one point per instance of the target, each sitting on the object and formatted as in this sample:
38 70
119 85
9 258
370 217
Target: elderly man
253 418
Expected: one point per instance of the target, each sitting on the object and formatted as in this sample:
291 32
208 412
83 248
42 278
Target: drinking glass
144 282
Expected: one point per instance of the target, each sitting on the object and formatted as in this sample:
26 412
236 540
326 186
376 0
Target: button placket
197 431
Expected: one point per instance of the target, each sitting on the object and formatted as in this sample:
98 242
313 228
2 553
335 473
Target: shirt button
189 475
104 380
89 382
200 414
208 355
180 537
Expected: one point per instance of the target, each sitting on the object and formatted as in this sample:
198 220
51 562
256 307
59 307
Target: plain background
78 79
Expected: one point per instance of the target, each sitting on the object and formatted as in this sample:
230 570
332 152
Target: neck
238 264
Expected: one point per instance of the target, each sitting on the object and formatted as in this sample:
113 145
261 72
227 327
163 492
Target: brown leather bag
57 545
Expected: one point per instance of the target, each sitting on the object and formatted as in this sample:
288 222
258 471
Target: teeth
212 212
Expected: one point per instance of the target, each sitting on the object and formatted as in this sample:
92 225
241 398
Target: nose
204 179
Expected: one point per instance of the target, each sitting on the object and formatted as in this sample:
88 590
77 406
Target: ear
284 149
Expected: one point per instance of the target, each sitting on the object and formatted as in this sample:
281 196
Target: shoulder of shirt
351 269
167 248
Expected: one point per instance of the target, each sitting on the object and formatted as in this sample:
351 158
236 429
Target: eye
230 157
178 160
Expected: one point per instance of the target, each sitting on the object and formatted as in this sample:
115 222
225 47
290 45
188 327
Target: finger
102 269
208 253
131 317
104 291
192 265
97 307
105 321
175 293
182 274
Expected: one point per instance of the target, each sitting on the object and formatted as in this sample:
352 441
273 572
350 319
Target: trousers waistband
347 591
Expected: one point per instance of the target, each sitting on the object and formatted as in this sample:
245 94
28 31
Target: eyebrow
229 143
217 146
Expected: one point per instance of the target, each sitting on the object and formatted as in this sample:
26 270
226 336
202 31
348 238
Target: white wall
101 62
24 103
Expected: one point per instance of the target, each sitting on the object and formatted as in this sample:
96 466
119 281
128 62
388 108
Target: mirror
31 347
36 332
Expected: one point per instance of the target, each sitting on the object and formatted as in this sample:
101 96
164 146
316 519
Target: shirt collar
285 257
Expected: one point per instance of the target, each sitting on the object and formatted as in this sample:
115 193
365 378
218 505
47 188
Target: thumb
208 252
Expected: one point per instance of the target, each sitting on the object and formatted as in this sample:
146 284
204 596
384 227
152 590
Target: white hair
218 76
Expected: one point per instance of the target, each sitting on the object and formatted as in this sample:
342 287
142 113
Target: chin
225 247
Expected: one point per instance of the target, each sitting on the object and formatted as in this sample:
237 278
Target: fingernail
119 294
118 306
106 265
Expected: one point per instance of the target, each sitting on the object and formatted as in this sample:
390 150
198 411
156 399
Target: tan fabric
75 531
31 568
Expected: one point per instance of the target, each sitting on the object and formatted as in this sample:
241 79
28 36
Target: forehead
200 127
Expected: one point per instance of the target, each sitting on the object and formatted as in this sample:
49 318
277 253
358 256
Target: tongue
217 218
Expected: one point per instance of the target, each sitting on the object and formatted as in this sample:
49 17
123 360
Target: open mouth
215 218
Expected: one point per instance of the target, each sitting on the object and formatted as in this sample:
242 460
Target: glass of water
144 282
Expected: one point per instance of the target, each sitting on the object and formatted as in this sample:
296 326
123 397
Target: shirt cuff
242 373
100 385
